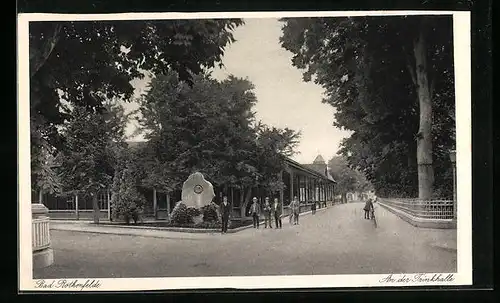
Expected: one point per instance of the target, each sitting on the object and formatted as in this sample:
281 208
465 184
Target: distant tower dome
319 160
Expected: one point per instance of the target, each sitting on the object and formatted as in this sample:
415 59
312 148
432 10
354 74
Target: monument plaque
196 191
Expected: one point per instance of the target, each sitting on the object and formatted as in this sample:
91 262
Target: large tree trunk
343 198
95 207
242 201
40 196
424 136
38 56
248 196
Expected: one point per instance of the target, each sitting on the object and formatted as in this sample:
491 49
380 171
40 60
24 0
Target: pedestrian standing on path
290 217
313 208
267 213
225 212
255 212
276 208
368 207
295 210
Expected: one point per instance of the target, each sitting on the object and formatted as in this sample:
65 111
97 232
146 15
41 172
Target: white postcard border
461 29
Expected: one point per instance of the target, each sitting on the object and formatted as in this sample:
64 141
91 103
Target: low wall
71 214
421 222
87 215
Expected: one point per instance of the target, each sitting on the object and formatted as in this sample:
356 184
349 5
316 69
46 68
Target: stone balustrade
422 213
41 234
427 209
43 254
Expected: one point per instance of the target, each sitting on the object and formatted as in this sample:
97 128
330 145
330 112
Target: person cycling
368 209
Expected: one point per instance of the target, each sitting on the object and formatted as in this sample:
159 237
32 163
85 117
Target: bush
127 202
193 212
210 213
208 225
180 214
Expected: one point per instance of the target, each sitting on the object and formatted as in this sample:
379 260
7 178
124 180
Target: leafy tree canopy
348 179
209 127
95 145
86 62
366 66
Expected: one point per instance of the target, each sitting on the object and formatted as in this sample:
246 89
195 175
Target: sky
284 99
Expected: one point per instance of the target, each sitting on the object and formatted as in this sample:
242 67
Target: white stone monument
196 191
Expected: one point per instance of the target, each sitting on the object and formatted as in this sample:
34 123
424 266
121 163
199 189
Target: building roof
308 168
330 176
319 160
320 168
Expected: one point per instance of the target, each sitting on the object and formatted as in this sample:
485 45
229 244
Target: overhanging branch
38 60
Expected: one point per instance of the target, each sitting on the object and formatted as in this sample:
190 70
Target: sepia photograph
272 150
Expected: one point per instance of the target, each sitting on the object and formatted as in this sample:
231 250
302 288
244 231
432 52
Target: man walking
313 208
277 212
267 213
225 212
255 212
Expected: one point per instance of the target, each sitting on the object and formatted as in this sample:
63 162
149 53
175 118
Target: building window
102 199
70 202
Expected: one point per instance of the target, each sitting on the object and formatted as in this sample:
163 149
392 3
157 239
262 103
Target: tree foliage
86 62
126 202
209 127
348 179
272 145
44 170
94 148
367 67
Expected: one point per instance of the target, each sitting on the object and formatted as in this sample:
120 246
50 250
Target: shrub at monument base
193 212
210 213
181 214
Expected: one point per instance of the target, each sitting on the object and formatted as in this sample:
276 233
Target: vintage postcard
276 150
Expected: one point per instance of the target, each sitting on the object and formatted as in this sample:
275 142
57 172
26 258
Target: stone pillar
232 199
299 187
322 192
291 185
109 204
76 207
155 204
43 255
168 204
307 190
326 191
307 187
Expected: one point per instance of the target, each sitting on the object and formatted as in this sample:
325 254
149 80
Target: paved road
335 241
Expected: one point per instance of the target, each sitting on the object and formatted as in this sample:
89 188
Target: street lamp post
453 163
